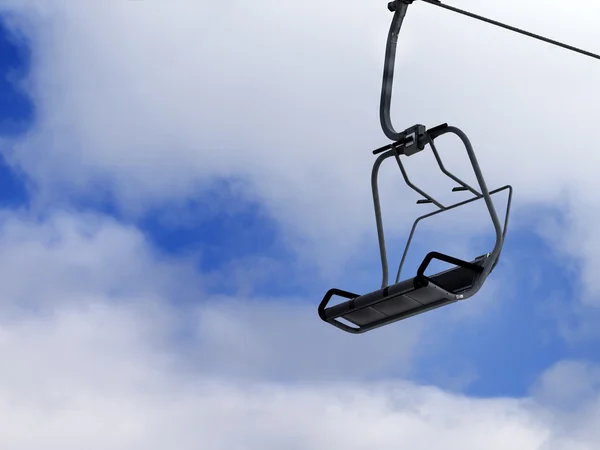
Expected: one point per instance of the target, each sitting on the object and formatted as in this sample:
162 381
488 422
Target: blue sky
17 112
234 252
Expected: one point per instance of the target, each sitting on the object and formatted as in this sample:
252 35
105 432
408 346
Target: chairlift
421 293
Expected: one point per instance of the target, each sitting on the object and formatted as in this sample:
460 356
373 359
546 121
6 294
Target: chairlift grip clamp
416 139
392 5
412 140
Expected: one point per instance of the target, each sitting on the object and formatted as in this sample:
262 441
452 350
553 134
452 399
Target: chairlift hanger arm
399 8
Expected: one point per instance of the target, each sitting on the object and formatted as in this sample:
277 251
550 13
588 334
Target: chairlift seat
406 298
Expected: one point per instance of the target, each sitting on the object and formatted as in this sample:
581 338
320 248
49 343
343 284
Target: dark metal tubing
388 70
494 254
456 205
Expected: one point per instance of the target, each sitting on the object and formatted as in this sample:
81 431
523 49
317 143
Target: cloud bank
103 364
109 342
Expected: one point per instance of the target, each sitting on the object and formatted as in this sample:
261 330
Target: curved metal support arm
495 253
378 219
399 7
485 194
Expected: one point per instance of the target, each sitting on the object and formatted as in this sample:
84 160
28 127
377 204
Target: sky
181 182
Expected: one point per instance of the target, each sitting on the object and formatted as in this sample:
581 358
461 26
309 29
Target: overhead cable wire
511 28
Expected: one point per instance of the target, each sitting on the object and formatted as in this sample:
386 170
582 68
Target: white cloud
93 352
94 378
90 266
106 362
175 96
568 384
60 258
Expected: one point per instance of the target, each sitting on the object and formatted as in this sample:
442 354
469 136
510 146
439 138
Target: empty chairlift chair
422 293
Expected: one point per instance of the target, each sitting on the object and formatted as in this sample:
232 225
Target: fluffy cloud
107 368
569 384
66 270
162 100
106 343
